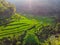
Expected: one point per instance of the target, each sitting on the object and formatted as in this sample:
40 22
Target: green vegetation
16 29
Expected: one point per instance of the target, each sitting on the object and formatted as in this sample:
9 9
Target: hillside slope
16 29
16 24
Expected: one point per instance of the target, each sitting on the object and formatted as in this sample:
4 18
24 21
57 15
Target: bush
30 39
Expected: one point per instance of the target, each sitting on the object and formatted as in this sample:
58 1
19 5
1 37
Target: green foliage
57 28
6 9
52 40
16 29
30 39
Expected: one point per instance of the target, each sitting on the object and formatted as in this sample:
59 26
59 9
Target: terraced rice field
18 26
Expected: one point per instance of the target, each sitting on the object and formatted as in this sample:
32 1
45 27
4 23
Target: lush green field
19 25
16 29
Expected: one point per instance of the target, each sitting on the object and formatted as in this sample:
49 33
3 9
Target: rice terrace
31 26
